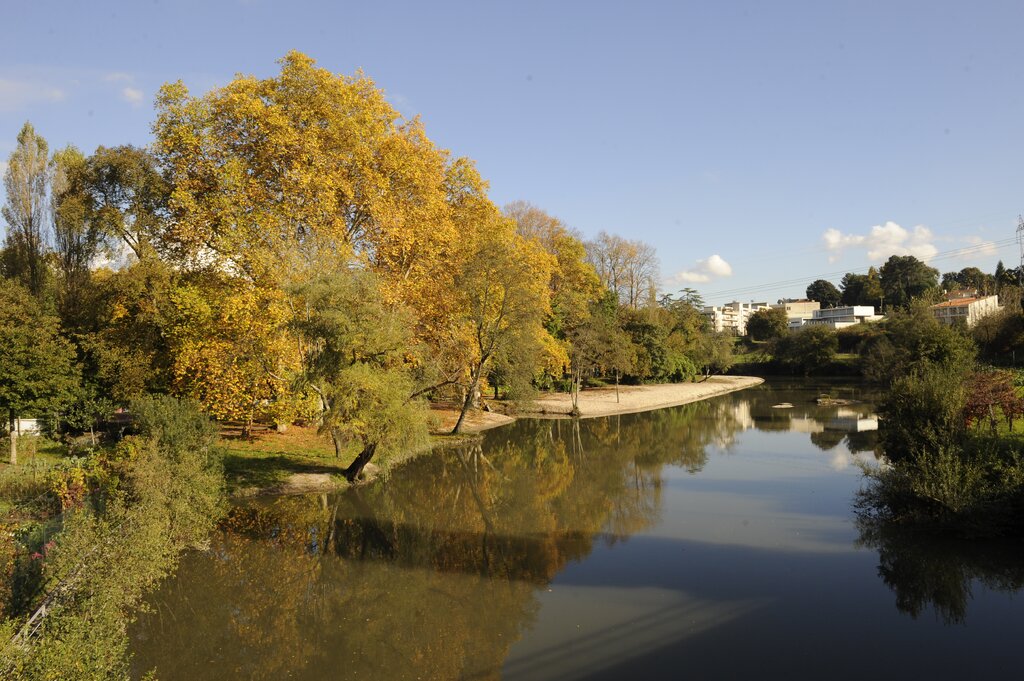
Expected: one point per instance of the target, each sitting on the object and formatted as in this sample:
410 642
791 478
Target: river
712 540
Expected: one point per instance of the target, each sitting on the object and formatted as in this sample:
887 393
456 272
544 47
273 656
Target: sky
757 146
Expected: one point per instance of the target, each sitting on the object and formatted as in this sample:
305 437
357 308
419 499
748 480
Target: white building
841 317
24 426
798 309
965 309
732 316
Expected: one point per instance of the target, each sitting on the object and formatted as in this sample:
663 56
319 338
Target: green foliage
37 370
910 339
714 353
77 236
862 289
941 472
162 492
357 361
768 323
175 425
904 279
823 291
26 184
1000 336
969 278
129 196
808 349
924 413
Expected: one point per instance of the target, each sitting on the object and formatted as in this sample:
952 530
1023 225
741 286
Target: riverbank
637 398
299 461
596 402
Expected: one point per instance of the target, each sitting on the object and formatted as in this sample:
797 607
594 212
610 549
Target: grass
268 458
27 480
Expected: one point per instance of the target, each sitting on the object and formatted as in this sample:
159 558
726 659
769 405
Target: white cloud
882 241
704 270
15 94
132 95
978 247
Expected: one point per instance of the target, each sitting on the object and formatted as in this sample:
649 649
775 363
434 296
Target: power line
787 283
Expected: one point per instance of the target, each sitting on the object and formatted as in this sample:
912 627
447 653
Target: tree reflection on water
433 574
926 571
436 573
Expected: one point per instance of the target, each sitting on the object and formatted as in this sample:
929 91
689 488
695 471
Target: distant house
965 307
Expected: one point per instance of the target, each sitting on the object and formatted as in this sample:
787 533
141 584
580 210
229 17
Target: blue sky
756 145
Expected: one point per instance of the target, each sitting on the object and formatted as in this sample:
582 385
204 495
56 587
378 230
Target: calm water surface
713 540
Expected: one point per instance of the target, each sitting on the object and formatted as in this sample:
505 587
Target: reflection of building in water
743 416
806 424
851 421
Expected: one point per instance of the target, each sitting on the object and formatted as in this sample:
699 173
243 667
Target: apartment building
965 307
731 317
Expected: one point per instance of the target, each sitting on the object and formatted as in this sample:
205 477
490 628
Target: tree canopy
904 278
825 292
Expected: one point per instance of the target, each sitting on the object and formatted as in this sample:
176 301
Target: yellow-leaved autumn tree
230 350
279 181
271 174
503 283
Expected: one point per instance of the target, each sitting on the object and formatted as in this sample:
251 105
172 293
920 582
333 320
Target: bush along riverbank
954 452
119 521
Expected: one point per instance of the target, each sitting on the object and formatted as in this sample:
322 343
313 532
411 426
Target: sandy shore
593 402
634 398
601 402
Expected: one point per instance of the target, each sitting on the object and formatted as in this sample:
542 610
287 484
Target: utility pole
1020 243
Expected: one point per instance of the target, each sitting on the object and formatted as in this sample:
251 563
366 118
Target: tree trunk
616 386
356 467
14 441
574 391
336 439
470 394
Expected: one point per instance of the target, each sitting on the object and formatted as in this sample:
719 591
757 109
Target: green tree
767 323
27 183
129 195
825 292
911 339
904 278
861 289
599 344
37 370
714 353
357 361
77 236
1005 277
808 349
970 278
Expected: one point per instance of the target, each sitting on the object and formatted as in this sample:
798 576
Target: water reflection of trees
928 571
433 574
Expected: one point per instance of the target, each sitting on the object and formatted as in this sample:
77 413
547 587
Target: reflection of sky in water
751 570
714 541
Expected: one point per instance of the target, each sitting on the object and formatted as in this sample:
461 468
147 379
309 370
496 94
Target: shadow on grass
263 472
